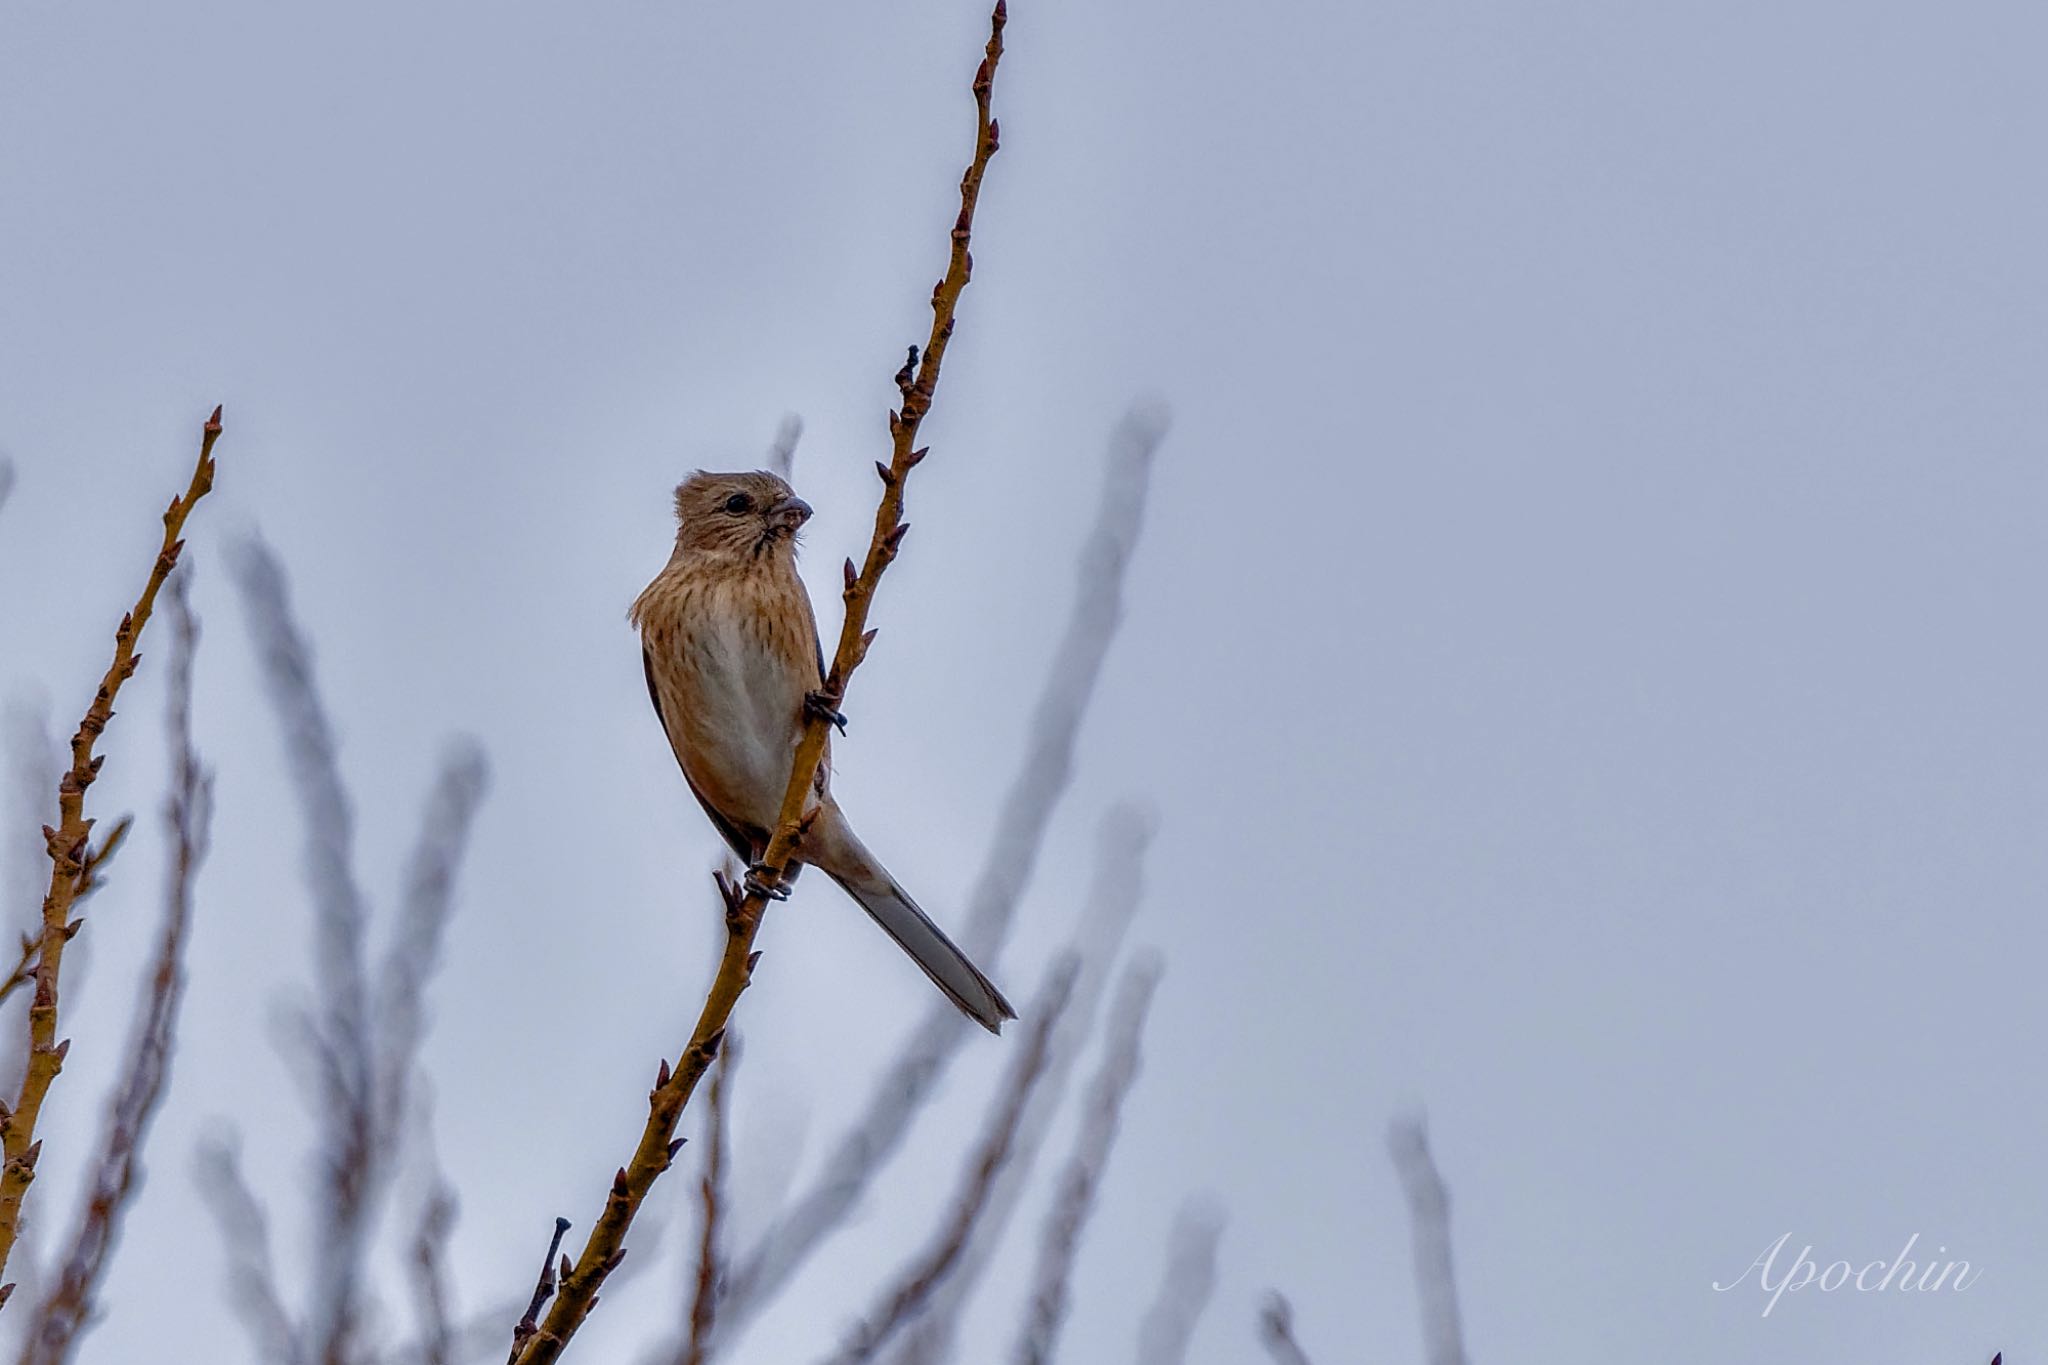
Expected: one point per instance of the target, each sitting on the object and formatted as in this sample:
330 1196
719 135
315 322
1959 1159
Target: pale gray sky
1583 653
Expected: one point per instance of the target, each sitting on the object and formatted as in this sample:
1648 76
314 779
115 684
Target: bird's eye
738 503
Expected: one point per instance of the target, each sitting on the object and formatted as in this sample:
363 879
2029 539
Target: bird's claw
755 881
819 704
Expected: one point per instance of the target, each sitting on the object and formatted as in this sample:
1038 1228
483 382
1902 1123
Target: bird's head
741 516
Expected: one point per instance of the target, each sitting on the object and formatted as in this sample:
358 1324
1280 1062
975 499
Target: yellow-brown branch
917 382
72 859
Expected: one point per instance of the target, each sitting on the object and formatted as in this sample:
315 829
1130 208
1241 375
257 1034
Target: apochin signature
1872 1277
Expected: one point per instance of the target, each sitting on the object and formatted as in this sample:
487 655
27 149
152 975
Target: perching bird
734 667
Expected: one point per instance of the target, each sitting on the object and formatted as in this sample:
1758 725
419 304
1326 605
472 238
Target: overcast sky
1585 651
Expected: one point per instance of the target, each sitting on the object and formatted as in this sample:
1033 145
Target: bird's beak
788 514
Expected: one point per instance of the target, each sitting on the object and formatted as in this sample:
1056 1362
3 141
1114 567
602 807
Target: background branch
1276 1330
431 1294
1074 1197
915 1283
1122 839
1429 1212
782 451
360 1064
1169 1324
712 1200
252 1274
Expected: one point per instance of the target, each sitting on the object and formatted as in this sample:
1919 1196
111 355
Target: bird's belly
744 712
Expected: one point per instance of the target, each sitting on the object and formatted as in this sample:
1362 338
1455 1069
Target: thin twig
1429 1212
23 970
917 382
1043 778
6 479
712 1198
68 846
914 1283
188 813
1169 1325
34 759
1074 1197
1276 1330
543 1290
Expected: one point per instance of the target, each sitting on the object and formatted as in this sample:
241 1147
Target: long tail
833 849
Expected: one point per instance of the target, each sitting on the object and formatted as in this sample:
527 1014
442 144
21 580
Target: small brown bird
734 667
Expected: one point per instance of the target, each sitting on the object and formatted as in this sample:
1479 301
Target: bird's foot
820 704
756 883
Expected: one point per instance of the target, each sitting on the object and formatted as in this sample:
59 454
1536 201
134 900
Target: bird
730 648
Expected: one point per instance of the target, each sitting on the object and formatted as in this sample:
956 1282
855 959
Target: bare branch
433 1301
712 1197
1074 1197
898 1303
111 1186
69 846
1276 1330
362 1062
245 1231
338 1038
543 1290
430 1275
1169 1325
1121 841
415 951
917 382
1027 810
1429 1211
782 454
6 479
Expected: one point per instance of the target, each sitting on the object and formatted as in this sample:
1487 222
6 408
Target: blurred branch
338 1039
363 1062
415 950
71 854
782 454
188 813
1429 1210
19 974
1077 664
917 382
712 1197
1122 839
1027 810
1276 1330
245 1230
6 479
915 1283
1169 1324
430 1274
1074 1198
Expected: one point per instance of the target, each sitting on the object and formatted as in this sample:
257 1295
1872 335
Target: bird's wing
731 833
